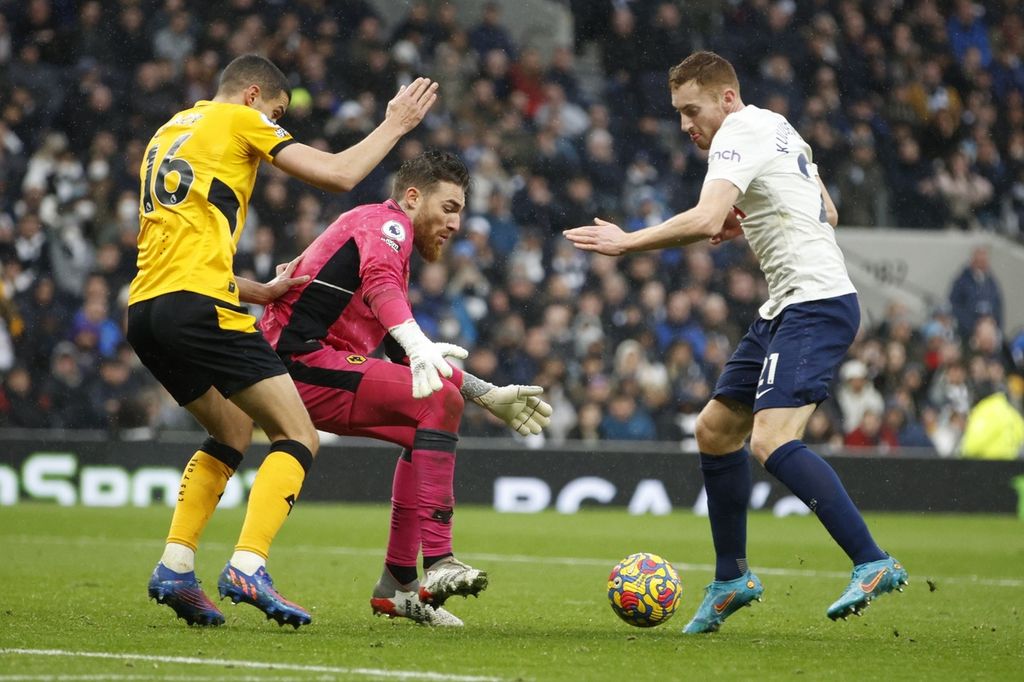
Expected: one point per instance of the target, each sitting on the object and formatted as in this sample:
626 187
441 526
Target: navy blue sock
728 483
817 485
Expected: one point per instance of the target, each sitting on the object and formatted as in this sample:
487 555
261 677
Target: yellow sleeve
258 133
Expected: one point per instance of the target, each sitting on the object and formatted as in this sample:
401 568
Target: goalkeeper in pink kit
325 330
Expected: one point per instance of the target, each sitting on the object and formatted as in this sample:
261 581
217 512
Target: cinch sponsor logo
57 477
727 155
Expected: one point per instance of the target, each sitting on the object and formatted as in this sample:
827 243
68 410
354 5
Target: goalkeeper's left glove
518 406
426 358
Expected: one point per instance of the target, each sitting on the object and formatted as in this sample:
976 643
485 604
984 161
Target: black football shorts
192 342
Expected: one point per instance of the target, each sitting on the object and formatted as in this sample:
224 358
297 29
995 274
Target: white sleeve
739 152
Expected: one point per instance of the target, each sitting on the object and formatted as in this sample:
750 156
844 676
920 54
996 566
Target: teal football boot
869 580
721 600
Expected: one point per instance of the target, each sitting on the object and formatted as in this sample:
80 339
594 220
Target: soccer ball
644 590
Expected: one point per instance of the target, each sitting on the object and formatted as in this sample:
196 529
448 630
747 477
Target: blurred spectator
625 420
680 324
975 293
856 395
994 429
19 401
66 391
822 431
490 33
963 190
967 29
862 197
868 433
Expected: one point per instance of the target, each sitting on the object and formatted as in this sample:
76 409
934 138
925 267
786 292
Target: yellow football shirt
197 177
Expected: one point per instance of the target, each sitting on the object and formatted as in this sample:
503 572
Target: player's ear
251 94
413 197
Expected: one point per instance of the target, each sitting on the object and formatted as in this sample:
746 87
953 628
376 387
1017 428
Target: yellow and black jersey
197 177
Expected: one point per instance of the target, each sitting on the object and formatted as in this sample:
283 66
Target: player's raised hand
284 281
411 104
602 237
518 406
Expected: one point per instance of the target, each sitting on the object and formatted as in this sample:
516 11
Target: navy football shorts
790 361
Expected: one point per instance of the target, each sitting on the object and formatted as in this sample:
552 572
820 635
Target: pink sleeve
385 244
457 376
390 307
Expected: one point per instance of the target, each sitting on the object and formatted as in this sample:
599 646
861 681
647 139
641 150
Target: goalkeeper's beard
428 247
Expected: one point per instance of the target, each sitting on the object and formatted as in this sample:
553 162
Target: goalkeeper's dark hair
429 168
252 69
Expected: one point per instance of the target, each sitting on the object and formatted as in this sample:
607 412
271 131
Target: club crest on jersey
393 230
278 130
355 359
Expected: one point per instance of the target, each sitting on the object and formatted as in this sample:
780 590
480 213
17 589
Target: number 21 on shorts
767 375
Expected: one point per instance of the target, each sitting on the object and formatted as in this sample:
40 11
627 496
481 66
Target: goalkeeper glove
518 406
426 358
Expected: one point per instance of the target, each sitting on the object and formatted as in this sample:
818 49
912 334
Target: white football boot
449 577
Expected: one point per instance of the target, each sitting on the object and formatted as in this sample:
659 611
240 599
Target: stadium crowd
915 112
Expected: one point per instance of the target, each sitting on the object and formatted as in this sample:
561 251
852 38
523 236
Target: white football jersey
781 208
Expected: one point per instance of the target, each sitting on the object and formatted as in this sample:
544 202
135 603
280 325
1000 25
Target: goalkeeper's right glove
426 358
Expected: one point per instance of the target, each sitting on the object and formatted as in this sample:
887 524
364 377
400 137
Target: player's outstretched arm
262 294
343 170
521 407
700 222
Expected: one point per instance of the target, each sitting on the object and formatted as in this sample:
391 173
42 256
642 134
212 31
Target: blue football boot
869 580
721 600
258 589
182 593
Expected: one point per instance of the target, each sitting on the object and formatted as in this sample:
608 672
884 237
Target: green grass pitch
73 601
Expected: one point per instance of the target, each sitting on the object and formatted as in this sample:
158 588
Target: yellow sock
273 493
202 484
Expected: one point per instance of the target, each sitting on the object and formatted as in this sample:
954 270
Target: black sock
429 561
403 574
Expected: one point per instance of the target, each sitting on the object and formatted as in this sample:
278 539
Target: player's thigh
192 342
275 405
222 419
738 382
385 398
328 380
808 342
151 326
723 426
776 426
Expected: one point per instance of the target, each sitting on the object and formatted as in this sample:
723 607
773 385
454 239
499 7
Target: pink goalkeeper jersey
360 260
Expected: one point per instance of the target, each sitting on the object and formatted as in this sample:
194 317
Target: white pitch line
254 665
130 678
511 558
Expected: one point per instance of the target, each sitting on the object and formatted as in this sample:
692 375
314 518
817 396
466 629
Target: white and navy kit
789 355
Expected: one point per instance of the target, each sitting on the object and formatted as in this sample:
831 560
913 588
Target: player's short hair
252 69
707 69
429 168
